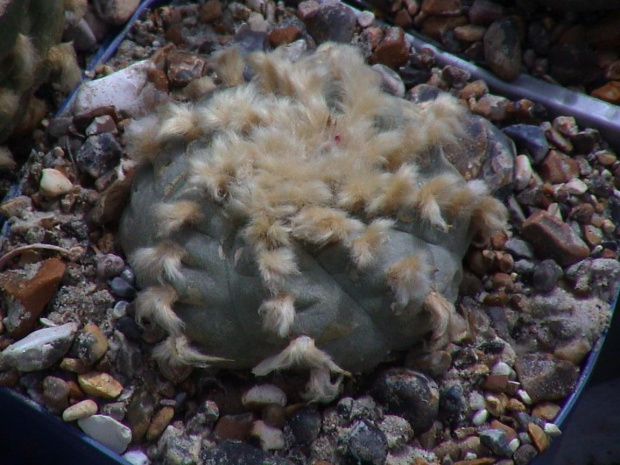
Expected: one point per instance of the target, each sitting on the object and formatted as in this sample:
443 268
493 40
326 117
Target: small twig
13 253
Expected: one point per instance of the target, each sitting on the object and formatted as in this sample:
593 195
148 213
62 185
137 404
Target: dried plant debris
304 218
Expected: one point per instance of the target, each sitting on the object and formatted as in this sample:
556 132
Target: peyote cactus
304 218
30 50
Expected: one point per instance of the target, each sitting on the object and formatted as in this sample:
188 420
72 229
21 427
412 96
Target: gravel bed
536 298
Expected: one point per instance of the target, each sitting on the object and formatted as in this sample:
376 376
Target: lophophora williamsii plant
304 219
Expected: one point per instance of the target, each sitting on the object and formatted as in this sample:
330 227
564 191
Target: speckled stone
546 378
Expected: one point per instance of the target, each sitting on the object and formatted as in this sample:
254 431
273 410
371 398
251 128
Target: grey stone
109 265
546 275
229 453
409 394
544 377
519 248
531 138
331 21
305 424
502 49
597 276
98 155
40 349
397 431
496 441
367 443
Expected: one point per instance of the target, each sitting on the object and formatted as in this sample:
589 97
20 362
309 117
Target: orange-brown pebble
539 437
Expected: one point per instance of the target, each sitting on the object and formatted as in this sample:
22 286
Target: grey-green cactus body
382 279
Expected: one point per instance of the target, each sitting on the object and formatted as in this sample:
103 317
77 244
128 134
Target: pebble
491 107
539 438
495 440
434 364
116 410
159 423
365 18
330 21
531 138
227 452
397 431
305 424
234 427
90 343
183 450
100 125
576 187
495 383
100 385
480 417
127 90
98 154
139 414
367 443
55 393
409 394
54 183
262 395
519 248
546 275
184 67
274 415
128 326
122 288
599 277
552 430
610 92
393 50
109 265
30 296
40 349
523 172
545 378
554 239
285 32
502 48
269 438
107 431
136 457
558 168
524 454
484 12
83 409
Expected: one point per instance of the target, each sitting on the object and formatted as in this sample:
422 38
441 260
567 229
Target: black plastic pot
590 418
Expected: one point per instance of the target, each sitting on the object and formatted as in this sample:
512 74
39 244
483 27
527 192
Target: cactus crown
308 159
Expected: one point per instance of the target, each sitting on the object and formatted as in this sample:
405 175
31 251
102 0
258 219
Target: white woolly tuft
278 314
410 280
431 196
488 217
319 225
176 351
267 231
229 66
365 248
441 312
320 387
142 139
399 191
155 304
24 55
162 262
275 265
301 351
178 121
173 216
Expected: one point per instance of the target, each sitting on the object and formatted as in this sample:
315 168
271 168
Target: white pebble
53 183
476 400
365 18
262 395
270 438
576 186
136 457
480 417
107 431
552 429
514 444
501 368
524 396
525 438
523 172
470 456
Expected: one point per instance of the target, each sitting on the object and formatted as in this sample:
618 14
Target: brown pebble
75 365
495 383
159 423
480 461
403 19
469 33
9 378
546 410
553 238
234 427
274 415
30 295
474 89
210 11
100 385
592 235
609 92
539 437
83 409
436 26
557 168
515 405
393 50
510 432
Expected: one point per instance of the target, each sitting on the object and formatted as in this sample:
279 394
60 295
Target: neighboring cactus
30 32
304 218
